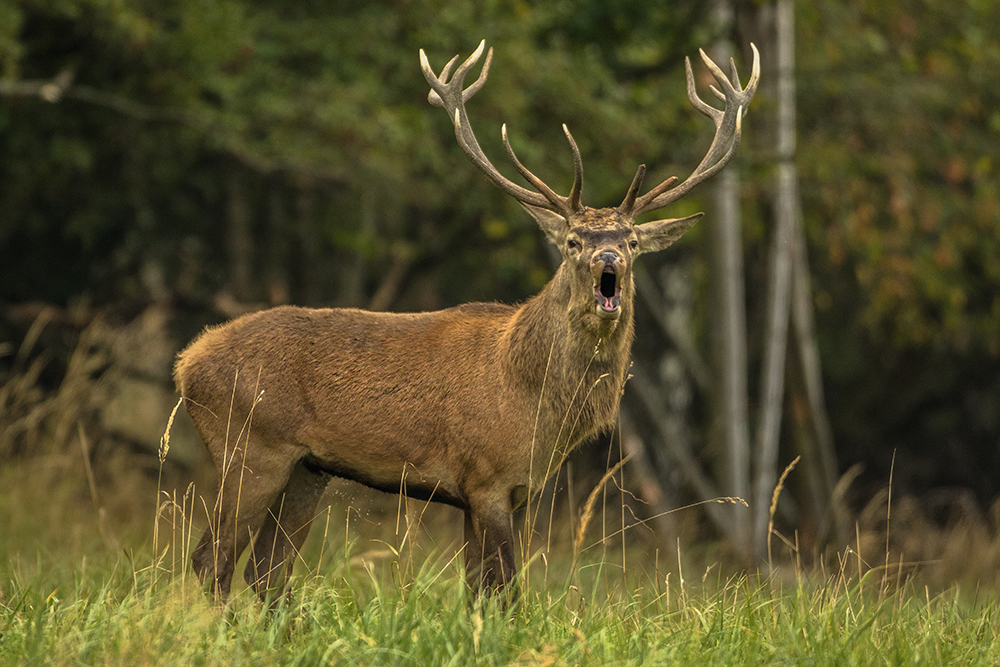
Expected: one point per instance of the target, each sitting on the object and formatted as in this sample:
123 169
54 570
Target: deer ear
554 225
661 234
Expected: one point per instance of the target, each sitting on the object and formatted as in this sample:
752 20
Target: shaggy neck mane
549 343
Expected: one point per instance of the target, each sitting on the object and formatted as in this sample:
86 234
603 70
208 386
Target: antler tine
692 92
564 205
449 94
467 65
425 66
720 76
558 202
625 208
754 73
728 129
576 192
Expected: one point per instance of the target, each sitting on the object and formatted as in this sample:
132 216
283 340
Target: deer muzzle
608 268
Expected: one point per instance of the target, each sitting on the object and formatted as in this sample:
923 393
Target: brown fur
475 405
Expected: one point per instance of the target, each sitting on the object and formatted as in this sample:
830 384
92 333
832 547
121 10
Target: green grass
94 571
105 618
81 586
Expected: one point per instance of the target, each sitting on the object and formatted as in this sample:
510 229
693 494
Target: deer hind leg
489 556
249 481
285 528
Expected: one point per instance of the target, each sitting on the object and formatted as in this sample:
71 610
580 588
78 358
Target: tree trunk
354 277
812 377
702 486
277 254
731 350
239 241
306 251
644 471
675 327
779 285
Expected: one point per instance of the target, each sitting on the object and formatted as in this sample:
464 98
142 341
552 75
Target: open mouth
608 293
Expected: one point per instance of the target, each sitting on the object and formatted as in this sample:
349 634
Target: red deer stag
476 406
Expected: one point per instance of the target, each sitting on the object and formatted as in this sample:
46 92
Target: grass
106 618
74 592
94 569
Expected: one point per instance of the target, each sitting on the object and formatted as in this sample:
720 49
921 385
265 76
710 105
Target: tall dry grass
36 420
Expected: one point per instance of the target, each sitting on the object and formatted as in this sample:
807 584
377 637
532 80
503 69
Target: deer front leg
489 537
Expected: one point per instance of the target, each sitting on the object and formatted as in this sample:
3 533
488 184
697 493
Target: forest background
170 165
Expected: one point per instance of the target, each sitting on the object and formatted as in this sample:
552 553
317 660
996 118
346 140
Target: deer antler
450 95
728 125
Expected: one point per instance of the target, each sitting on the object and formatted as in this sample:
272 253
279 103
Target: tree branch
62 87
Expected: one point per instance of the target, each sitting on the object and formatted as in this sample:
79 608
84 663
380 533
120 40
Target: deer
474 406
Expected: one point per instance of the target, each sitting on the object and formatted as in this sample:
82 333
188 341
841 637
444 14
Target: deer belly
387 466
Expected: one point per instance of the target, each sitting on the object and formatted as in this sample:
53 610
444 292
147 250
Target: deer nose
608 258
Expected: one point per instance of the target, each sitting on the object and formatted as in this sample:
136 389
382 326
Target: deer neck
551 329
572 361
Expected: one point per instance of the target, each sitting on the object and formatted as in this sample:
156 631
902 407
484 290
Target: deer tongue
610 305
608 294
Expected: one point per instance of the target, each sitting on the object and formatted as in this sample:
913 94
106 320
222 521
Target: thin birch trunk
727 261
779 285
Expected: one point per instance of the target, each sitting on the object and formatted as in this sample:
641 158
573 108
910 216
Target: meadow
95 544
93 570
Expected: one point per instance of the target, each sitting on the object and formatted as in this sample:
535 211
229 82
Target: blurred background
169 165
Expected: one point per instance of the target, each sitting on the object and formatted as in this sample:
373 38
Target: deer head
598 246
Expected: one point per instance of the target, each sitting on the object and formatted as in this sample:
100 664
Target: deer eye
633 244
572 244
